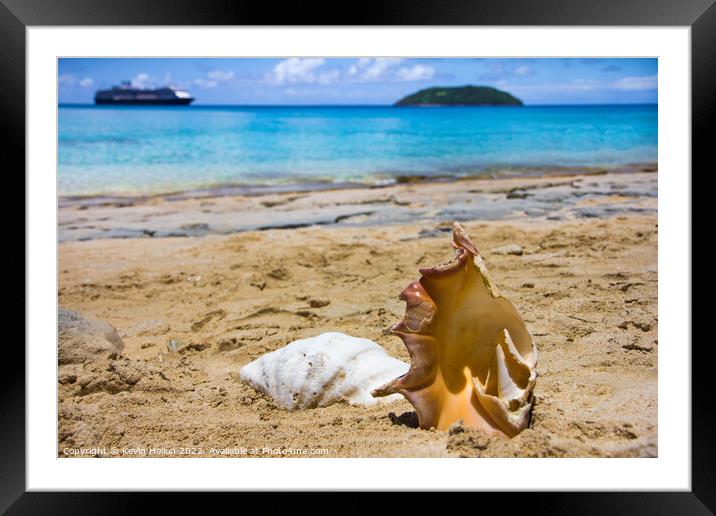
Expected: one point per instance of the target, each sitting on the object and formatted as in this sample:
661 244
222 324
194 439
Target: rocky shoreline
549 197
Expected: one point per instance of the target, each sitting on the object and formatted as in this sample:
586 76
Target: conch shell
472 357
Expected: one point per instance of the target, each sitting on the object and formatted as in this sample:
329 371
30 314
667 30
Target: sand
192 310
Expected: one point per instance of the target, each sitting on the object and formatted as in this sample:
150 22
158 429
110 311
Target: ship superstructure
125 93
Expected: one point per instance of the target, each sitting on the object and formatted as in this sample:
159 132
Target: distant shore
556 193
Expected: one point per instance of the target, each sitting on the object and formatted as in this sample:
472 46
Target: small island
460 96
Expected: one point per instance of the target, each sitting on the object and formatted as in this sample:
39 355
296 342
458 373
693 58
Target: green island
460 96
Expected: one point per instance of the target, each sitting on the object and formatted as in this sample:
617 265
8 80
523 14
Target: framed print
293 257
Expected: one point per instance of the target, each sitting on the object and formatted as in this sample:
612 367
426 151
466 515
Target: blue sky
314 80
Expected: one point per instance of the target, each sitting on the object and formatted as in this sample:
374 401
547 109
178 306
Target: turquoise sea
113 150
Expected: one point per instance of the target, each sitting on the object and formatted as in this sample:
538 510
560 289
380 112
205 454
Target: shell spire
472 357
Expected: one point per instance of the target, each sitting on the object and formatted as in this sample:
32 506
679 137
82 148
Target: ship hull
145 102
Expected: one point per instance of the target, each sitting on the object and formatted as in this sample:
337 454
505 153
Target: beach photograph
357 257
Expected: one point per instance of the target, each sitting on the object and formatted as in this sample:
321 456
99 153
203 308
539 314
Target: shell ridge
420 373
511 406
330 385
508 387
507 347
320 370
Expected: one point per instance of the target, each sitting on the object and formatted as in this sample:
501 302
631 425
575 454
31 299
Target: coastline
252 189
554 193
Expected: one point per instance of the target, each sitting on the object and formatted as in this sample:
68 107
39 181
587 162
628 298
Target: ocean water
112 150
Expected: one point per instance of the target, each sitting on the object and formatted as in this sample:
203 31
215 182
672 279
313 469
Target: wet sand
194 307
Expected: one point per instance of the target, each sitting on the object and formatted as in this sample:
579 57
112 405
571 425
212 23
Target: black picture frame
700 15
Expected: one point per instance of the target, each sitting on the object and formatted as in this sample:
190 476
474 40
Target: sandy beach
198 286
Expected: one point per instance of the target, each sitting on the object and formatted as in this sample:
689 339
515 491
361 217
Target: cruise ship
125 93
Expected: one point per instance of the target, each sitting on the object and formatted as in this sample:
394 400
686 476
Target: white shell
318 371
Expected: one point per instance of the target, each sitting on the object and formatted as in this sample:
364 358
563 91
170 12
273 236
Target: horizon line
86 104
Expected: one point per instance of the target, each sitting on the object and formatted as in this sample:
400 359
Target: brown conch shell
472 357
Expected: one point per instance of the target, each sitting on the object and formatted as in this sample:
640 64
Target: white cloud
328 77
590 86
581 84
66 79
576 85
221 75
370 69
214 78
385 68
301 70
649 82
205 83
501 71
141 80
311 70
416 73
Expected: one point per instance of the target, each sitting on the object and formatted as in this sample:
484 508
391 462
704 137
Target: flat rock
82 338
234 209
